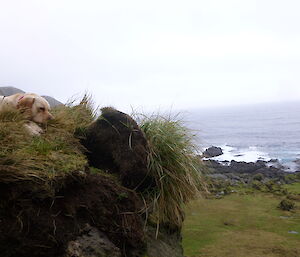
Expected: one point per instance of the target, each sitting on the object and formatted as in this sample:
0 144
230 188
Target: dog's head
36 107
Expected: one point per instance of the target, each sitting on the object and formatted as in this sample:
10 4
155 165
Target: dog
35 108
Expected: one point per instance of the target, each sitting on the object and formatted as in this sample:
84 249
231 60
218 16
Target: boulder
212 151
116 144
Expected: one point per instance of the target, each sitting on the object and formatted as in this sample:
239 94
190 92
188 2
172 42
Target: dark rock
238 155
116 144
246 167
270 172
273 161
225 162
212 152
245 172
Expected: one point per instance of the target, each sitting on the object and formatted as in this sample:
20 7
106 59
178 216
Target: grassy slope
241 225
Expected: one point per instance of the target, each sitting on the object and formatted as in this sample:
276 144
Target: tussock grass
72 115
48 157
173 164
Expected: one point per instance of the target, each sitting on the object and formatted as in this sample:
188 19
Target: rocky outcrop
212 151
245 171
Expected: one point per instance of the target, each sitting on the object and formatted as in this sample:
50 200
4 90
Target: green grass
241 225
293 188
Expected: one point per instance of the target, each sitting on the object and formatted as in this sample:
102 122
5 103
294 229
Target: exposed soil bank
35 225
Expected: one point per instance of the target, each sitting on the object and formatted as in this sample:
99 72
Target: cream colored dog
35 107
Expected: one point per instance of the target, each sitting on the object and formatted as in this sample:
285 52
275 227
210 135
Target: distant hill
12 90
52 101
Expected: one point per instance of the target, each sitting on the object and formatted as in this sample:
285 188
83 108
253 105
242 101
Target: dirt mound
33 224
116 144
52 205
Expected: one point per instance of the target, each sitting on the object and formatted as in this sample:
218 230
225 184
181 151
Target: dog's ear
25 102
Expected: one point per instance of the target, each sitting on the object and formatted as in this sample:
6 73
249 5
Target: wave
250 154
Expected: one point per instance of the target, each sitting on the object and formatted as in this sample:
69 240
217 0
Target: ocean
250 133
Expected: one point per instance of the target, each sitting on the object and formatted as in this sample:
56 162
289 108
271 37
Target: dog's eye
42 109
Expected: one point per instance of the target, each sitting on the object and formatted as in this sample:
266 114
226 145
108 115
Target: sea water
249 133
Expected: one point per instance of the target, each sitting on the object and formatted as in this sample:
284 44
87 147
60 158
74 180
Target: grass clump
286 205
174 166
49 156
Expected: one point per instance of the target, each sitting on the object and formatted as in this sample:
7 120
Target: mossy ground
242 225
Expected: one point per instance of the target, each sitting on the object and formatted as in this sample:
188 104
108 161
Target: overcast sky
153 54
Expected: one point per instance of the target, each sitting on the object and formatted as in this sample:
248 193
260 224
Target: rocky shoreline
245 172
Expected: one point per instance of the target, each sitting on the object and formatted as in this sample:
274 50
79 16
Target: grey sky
153 54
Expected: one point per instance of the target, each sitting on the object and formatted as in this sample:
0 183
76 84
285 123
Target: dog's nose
50 117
